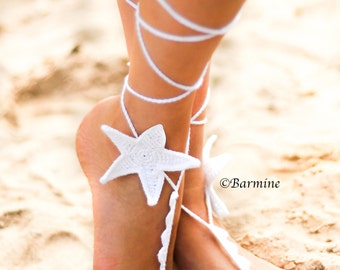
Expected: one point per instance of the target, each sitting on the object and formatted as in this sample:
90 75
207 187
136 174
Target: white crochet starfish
146 155
212 167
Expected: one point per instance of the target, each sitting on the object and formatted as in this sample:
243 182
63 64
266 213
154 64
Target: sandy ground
275 106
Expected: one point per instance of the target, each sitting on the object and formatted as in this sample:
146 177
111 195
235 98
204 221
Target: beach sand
275 107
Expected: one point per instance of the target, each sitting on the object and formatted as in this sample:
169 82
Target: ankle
174 117
193 193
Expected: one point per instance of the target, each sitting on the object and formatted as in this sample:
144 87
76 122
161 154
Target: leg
189 239
123 224
127 14
196 248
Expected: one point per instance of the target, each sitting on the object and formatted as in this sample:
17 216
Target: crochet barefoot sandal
145 154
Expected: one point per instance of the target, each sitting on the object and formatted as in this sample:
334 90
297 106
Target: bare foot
126 230
196 247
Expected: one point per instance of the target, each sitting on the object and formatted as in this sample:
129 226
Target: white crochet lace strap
195 26
157 70
209 208
166 235
141 23
222 236
131 3
193 119
126 114
207 34
177 38
153 100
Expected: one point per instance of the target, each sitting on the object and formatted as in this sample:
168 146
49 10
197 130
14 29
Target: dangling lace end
166 235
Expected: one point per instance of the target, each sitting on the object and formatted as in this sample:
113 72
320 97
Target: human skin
126 230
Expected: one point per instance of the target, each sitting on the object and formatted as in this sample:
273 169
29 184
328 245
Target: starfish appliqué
212 167
147 156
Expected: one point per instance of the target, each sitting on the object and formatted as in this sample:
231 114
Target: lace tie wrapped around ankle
145 154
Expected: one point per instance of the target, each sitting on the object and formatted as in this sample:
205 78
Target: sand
275 106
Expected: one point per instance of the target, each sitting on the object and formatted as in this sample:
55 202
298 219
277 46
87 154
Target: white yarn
131 3
154 100
207 33
209 208
193 119
168 36
159 72
194 26
166 235
126 114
